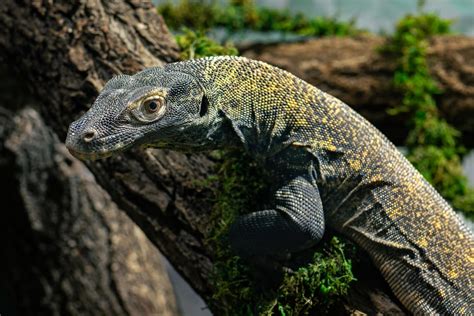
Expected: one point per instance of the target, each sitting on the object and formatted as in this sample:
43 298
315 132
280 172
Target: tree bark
354 70
66 248
64 53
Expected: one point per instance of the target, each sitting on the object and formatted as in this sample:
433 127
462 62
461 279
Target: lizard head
154 107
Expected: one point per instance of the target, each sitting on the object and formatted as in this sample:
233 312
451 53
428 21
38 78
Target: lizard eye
151 106
150 110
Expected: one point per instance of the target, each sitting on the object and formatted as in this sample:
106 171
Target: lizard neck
254 97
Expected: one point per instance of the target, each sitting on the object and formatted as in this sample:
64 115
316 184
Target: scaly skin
332 167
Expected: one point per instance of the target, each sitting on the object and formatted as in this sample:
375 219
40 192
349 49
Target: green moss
238 180
196 45
240 15
433 144
317 286
465 203
197 15
239 186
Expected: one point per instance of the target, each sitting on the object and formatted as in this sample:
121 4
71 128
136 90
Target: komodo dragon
330 166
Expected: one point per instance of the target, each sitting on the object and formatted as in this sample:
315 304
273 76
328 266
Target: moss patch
317 286
239 184
197 44
433 144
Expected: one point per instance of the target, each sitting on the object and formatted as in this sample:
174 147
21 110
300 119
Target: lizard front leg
295 223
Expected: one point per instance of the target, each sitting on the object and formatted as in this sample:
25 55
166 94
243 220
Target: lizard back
369 191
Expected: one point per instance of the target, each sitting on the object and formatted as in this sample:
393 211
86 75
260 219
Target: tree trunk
67 249
354 70
64 53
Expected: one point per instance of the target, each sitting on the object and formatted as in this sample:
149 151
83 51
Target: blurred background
379 16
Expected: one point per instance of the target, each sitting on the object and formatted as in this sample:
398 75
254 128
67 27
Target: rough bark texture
67 249
353 70
65 51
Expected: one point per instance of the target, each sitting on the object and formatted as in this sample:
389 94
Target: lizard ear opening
204 106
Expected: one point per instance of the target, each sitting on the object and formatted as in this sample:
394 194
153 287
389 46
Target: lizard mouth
89 155
98 149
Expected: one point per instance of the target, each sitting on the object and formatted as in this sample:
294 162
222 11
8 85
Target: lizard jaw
89 155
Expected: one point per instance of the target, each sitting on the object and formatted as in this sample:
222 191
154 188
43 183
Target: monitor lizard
329 165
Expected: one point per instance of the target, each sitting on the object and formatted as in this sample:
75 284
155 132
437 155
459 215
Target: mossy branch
239 186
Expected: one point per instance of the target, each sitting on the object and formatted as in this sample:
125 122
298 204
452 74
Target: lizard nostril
89 135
